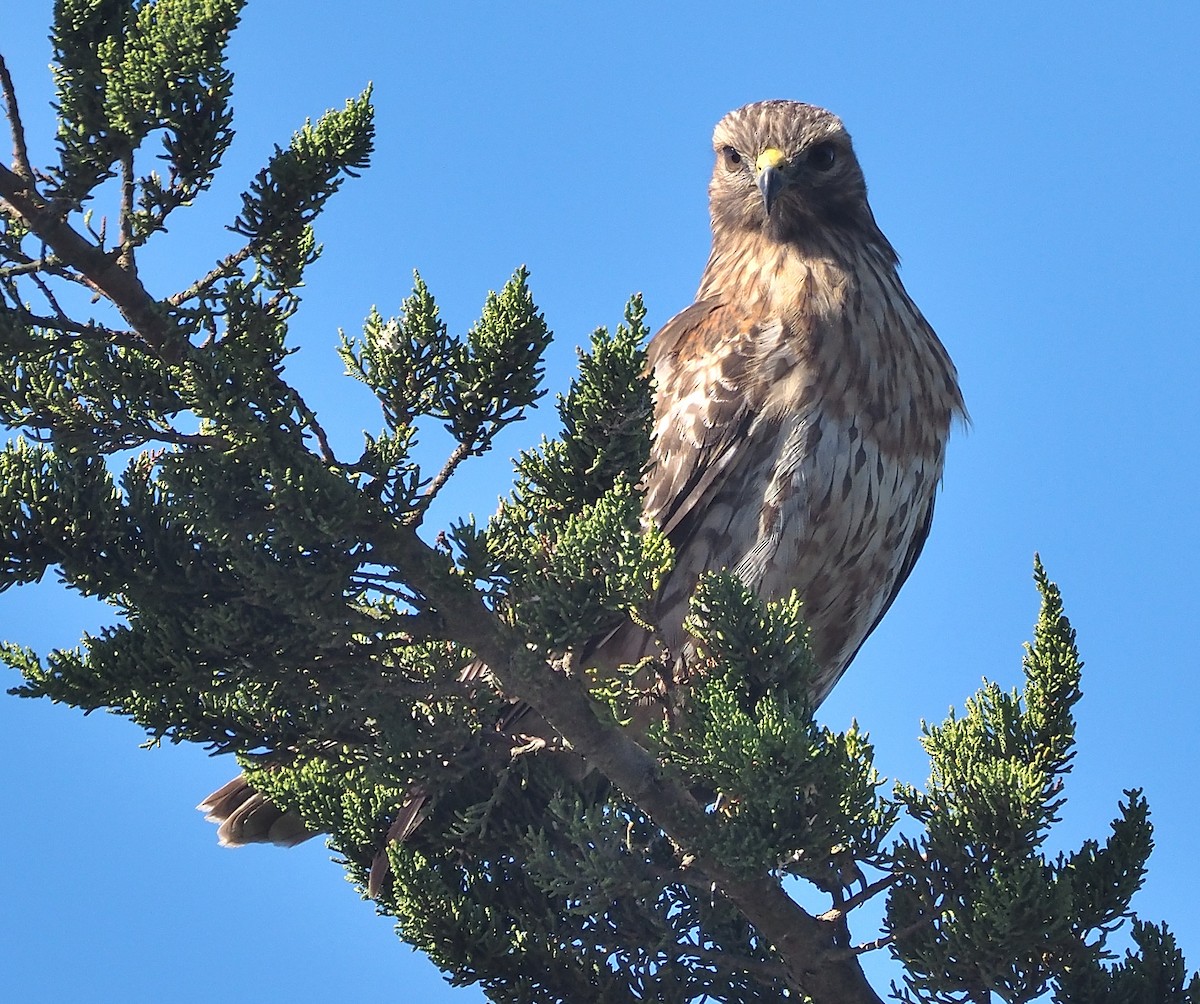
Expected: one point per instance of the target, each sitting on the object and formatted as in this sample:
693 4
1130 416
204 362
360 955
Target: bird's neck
783 278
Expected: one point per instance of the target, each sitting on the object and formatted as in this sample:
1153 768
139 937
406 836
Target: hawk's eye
731 158
822 157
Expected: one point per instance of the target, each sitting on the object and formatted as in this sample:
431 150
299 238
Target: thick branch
814 952
125 225
144 314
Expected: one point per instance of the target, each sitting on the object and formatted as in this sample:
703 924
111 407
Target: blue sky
1035 165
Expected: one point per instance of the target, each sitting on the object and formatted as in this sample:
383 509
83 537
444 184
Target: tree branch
813 951
101 270
21 163
26 267
67 326
461 452
874 889
755 967
222 270
125 220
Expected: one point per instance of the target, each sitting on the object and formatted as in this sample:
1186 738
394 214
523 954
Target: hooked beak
770 179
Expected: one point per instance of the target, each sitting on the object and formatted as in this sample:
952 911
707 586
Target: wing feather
703 361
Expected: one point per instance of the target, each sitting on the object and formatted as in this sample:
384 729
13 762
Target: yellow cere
770 157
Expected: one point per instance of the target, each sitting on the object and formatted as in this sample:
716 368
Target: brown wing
705 405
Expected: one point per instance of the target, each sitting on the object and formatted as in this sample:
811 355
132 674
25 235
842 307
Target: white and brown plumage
803 402
803 406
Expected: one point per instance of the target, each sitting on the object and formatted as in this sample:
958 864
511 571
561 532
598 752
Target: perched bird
803 406
803 403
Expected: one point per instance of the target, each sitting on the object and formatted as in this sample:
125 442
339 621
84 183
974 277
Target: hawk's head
786 169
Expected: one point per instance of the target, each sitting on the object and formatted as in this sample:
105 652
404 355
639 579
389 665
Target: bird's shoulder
718 346
711 366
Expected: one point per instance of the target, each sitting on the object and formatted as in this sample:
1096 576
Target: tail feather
411 815
246 816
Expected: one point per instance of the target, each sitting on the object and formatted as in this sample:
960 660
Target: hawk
803 406
803 402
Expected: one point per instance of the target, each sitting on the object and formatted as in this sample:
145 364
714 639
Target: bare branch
871 891
226 267
189 438
48 293
20 151
887 939
461 452
25 267
873 946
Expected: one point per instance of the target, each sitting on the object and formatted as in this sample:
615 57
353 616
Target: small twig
224 268
209 324
125 223
99 236
461 452
275 303
48 293
24 267
359 579
860 897
873 946
317 430
758 967
20 151
188 438
887 939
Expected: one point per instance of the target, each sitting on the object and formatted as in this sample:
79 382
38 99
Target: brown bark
102 269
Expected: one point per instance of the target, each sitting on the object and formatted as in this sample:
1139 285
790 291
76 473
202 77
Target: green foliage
288 194
978 908
793 795
124 70
496 371
95 393
478 384
404 360
1154 974
606 417
578 575
274 600
561 896
567 554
